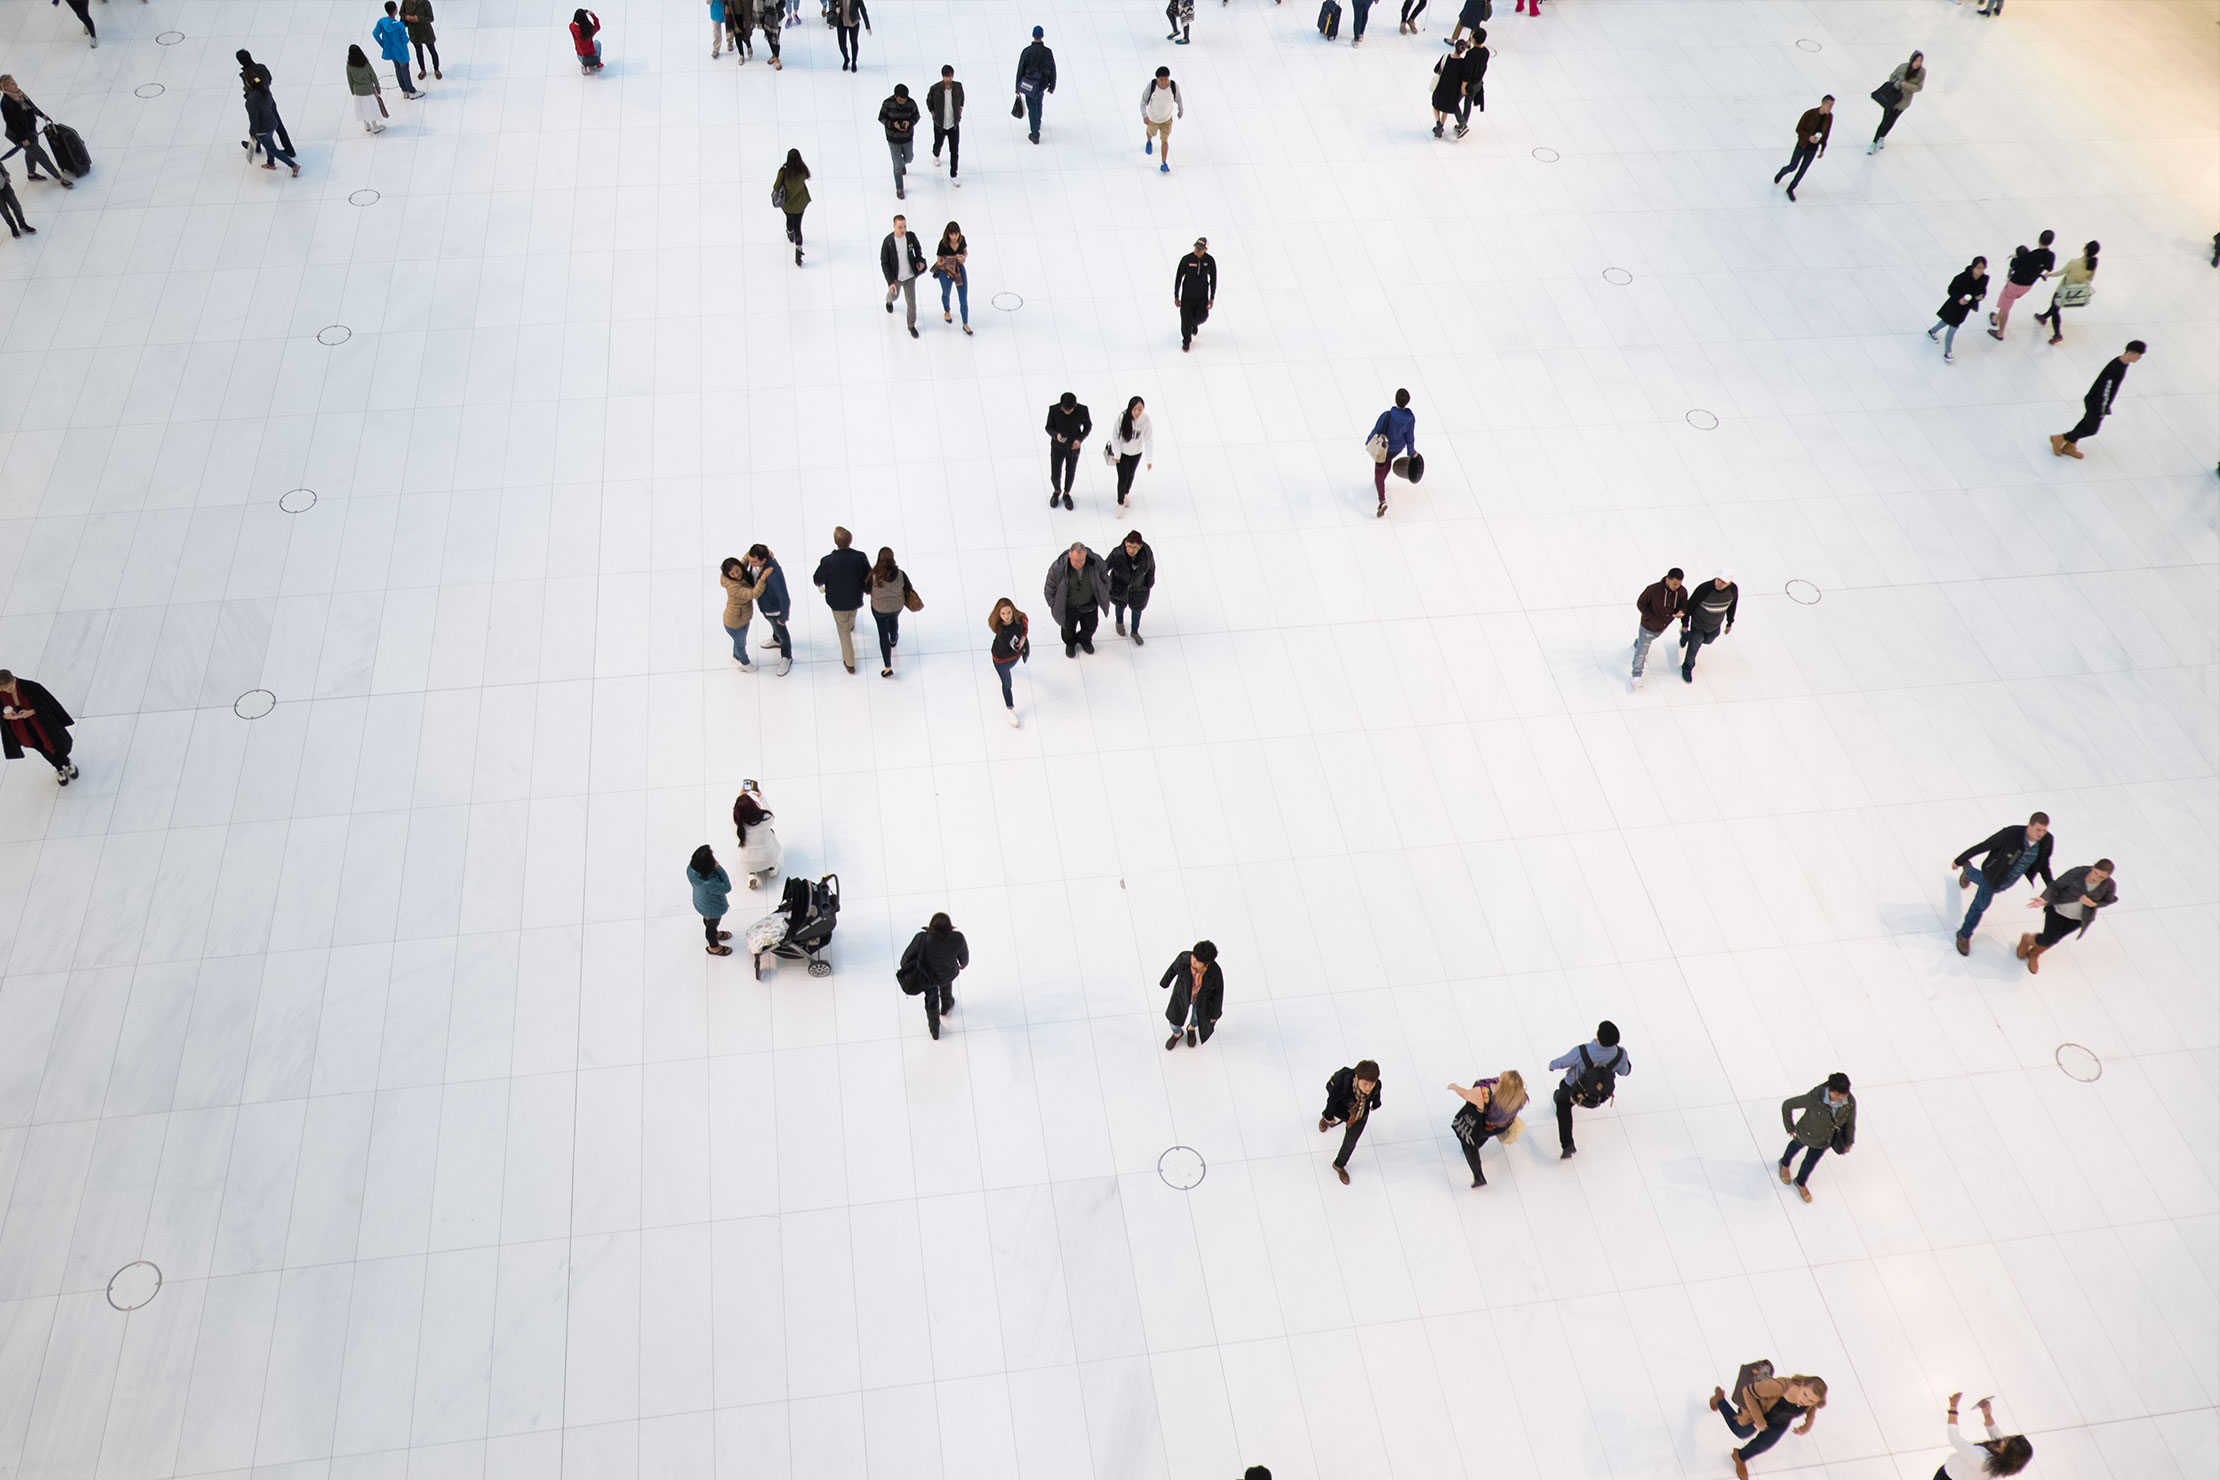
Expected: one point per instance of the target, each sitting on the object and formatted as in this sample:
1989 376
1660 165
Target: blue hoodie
393 39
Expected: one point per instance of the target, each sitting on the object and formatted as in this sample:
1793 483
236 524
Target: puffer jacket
1131 576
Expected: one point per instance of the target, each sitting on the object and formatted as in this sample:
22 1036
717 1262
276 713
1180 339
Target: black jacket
933 96
1209 1000
940 959
1704 593
890 265
1196 281
1964 286
2106 386
20 117
1038 63
51 716
2002 846
1132 577
2028 267
2073 884
1341 1095
1073 425
842 575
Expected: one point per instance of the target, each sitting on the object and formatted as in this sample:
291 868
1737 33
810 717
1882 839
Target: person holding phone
760 852
32 719
1008 625
1999 1454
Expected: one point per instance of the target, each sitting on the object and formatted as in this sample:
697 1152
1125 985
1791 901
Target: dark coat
933 97
842 574
1058 584
2073 884
1196 281
1208 1001
1132 577
21 118
2002 846
1449 83
940 959
1704 595
417 16
1038 63
1073 425
51 717
1966 293
1341 1095
1659 604
899 117
890 267
1817 1127
262 113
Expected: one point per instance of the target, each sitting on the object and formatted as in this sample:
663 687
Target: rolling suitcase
1329 19
68 149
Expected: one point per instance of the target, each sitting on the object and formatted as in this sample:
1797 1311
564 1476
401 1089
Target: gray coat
1816 1127
1059 579
2073 884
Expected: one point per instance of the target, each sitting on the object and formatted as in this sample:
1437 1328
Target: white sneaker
1637 683
786 666
1012 712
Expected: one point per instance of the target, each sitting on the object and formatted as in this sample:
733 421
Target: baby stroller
799 928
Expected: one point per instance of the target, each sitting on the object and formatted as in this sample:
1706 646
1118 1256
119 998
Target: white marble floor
380 1024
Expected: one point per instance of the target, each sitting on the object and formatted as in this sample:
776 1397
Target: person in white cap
1708 617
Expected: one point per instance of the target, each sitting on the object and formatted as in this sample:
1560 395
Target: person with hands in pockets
1198 989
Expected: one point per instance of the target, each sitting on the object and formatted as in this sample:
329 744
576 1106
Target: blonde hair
1510 1090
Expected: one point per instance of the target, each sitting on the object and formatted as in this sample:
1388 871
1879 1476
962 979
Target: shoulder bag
1889 96
911 601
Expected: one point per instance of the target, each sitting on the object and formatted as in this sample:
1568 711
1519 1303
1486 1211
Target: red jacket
582 39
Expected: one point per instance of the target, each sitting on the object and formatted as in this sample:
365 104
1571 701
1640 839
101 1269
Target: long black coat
1968 287
1209 1000
51 715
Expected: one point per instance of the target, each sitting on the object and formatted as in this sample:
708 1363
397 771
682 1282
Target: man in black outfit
1036 77
32 719
251 72
846 16
840 578
1708 617
2097 405
1198 994
2012 853
1351 1097
944 100
1811 141
1195 290
1068 426
1077 588
929 966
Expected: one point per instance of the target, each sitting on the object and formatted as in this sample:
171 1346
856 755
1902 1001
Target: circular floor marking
169 38
1617 276
1007 302
134 1285
297 500
334 334
147 90
1702 420
1802 592
1546 154
1181 1167
1805 43
2078 1062
363 198
254 703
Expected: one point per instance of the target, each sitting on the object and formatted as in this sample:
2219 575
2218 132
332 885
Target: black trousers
1126 465
1349 1139
890 632
34 156
1080 626
1412 10
421 48
2092 417
1063 464
951 135
1693 640
1800 161
851 46
11 210
84 13
1472 1152
1888 121
2056 927
938 999
1191 316
794 227
1564 1104
709 924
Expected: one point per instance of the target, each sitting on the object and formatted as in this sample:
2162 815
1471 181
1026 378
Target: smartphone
748 783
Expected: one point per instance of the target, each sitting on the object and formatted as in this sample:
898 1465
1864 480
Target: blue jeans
1950 334
1643 637
963 295
273 152
739 636
1693 640
401 70
778 631
1811 1159
1002 671
890 633
1983 892
1033 112
1766 1438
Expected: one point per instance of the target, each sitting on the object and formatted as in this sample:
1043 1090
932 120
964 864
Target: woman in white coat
760 853
1134 442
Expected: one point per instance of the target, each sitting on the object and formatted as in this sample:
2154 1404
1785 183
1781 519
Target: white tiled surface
381 1023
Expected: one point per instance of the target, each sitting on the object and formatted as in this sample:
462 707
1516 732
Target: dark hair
884 572
2089 255
2137 347
1838 1082
1256 1472
2045 239
1206 951
1977 262
946 70
1133 537
1827 97
759 552
901 89
2008 1455
952 231
355 58
390 7
725 567
1163 71
939 926
1125 422
1675 574
1366 1069
2042 817
1067 400
1479 34
244 56
2105 864
747 812
1916 64
6 678
1402 397
580 18
794 160
1607 1033
703 862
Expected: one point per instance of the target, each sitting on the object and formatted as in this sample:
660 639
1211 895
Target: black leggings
772 37
11 210
84 13
709 924
1349 1139
1412 10
851 45
1472 1153
421 48
2056 927
1126 465
890 630
794 226
1888 121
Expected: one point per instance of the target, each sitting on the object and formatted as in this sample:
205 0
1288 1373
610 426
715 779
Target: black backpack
910 975
1597 1082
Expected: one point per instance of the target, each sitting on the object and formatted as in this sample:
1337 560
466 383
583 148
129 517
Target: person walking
362 84
1194 288
1963 296
944 100
929 967
902 261
1132 444
33 719
740 25
1762 1409
712 896
585 40
1895 95
771 16
717 28
1449 89
760 850
840 578
770 587
847 15
1363 9
1009 628
1812 132
19 120
83 9
1476 81
2097 404
1828 1122
416 15
742 585
393 44
1708 617
1535 13
2026 270
898 116
1198 986
1490 1111
2000 1453
251 71
1181 13
11 209
1352 1094
1077 589
1470 17
262 123
1591 1080
1412 10
1132 569
1659 605
950 254
790 194
1036 78
891 595
2074 290
1067 428
1161 105
1395 431
2011 854
2069 907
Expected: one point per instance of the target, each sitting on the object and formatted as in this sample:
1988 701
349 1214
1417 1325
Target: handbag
2075 295
1889 96
778 192
1378 447
1017 108
382 113
1109 457
911 601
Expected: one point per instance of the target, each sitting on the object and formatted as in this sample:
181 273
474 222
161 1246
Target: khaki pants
844 623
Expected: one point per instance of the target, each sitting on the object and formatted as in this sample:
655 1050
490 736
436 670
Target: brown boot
2057 445
1963 948
2072 451
2034 954
1718 1396
1741 1470
2020 950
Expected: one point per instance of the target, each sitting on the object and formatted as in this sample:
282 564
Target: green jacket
1817 1126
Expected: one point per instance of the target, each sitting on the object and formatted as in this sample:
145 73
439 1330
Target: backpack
910 975
1597 1083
